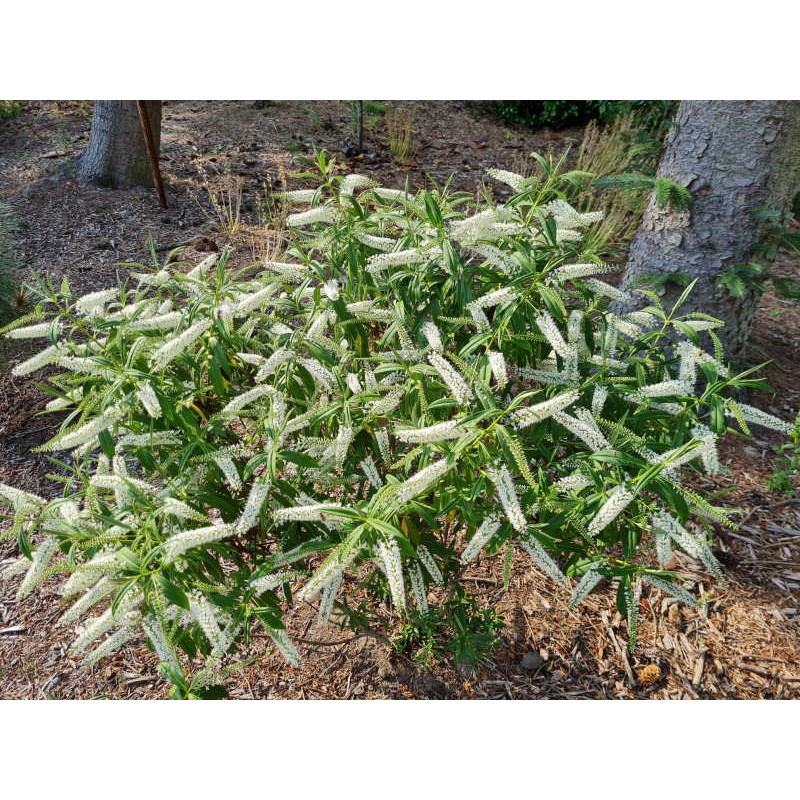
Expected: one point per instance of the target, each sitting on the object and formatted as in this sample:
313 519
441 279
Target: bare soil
742 644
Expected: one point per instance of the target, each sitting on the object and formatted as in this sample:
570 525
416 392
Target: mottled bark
117 153
735 158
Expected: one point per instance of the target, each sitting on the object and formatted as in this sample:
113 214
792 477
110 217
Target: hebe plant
417 383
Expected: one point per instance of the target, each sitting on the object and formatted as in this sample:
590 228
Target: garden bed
741 644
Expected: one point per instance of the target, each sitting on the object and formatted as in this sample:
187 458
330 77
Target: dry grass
622 145
269 237
400 127
606 150
258 234
224 192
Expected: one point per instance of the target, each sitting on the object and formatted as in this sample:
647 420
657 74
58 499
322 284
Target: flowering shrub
417 384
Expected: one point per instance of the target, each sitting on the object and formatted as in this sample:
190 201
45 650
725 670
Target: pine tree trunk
735 158
117 153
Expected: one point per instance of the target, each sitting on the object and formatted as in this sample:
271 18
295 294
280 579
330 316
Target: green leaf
624 181
671 194
223 600
671 497
717 409
432 209
106 442
321 353
127 557
552 301
543 163
212 692
788 288
174 676
301 459
185 641
688 331
550 229
172 593
217 381
121 594
684 295
23 543
269 617
253 464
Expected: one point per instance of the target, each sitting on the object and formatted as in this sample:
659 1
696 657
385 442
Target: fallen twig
697 677
621 652
764 673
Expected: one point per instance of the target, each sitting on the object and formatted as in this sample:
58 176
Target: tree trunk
117 153
735 158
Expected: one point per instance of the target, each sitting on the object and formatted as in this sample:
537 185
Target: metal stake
151 152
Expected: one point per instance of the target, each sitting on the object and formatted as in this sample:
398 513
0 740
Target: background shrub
558 114
9 109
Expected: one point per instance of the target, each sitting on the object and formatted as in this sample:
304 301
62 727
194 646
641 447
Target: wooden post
151 152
